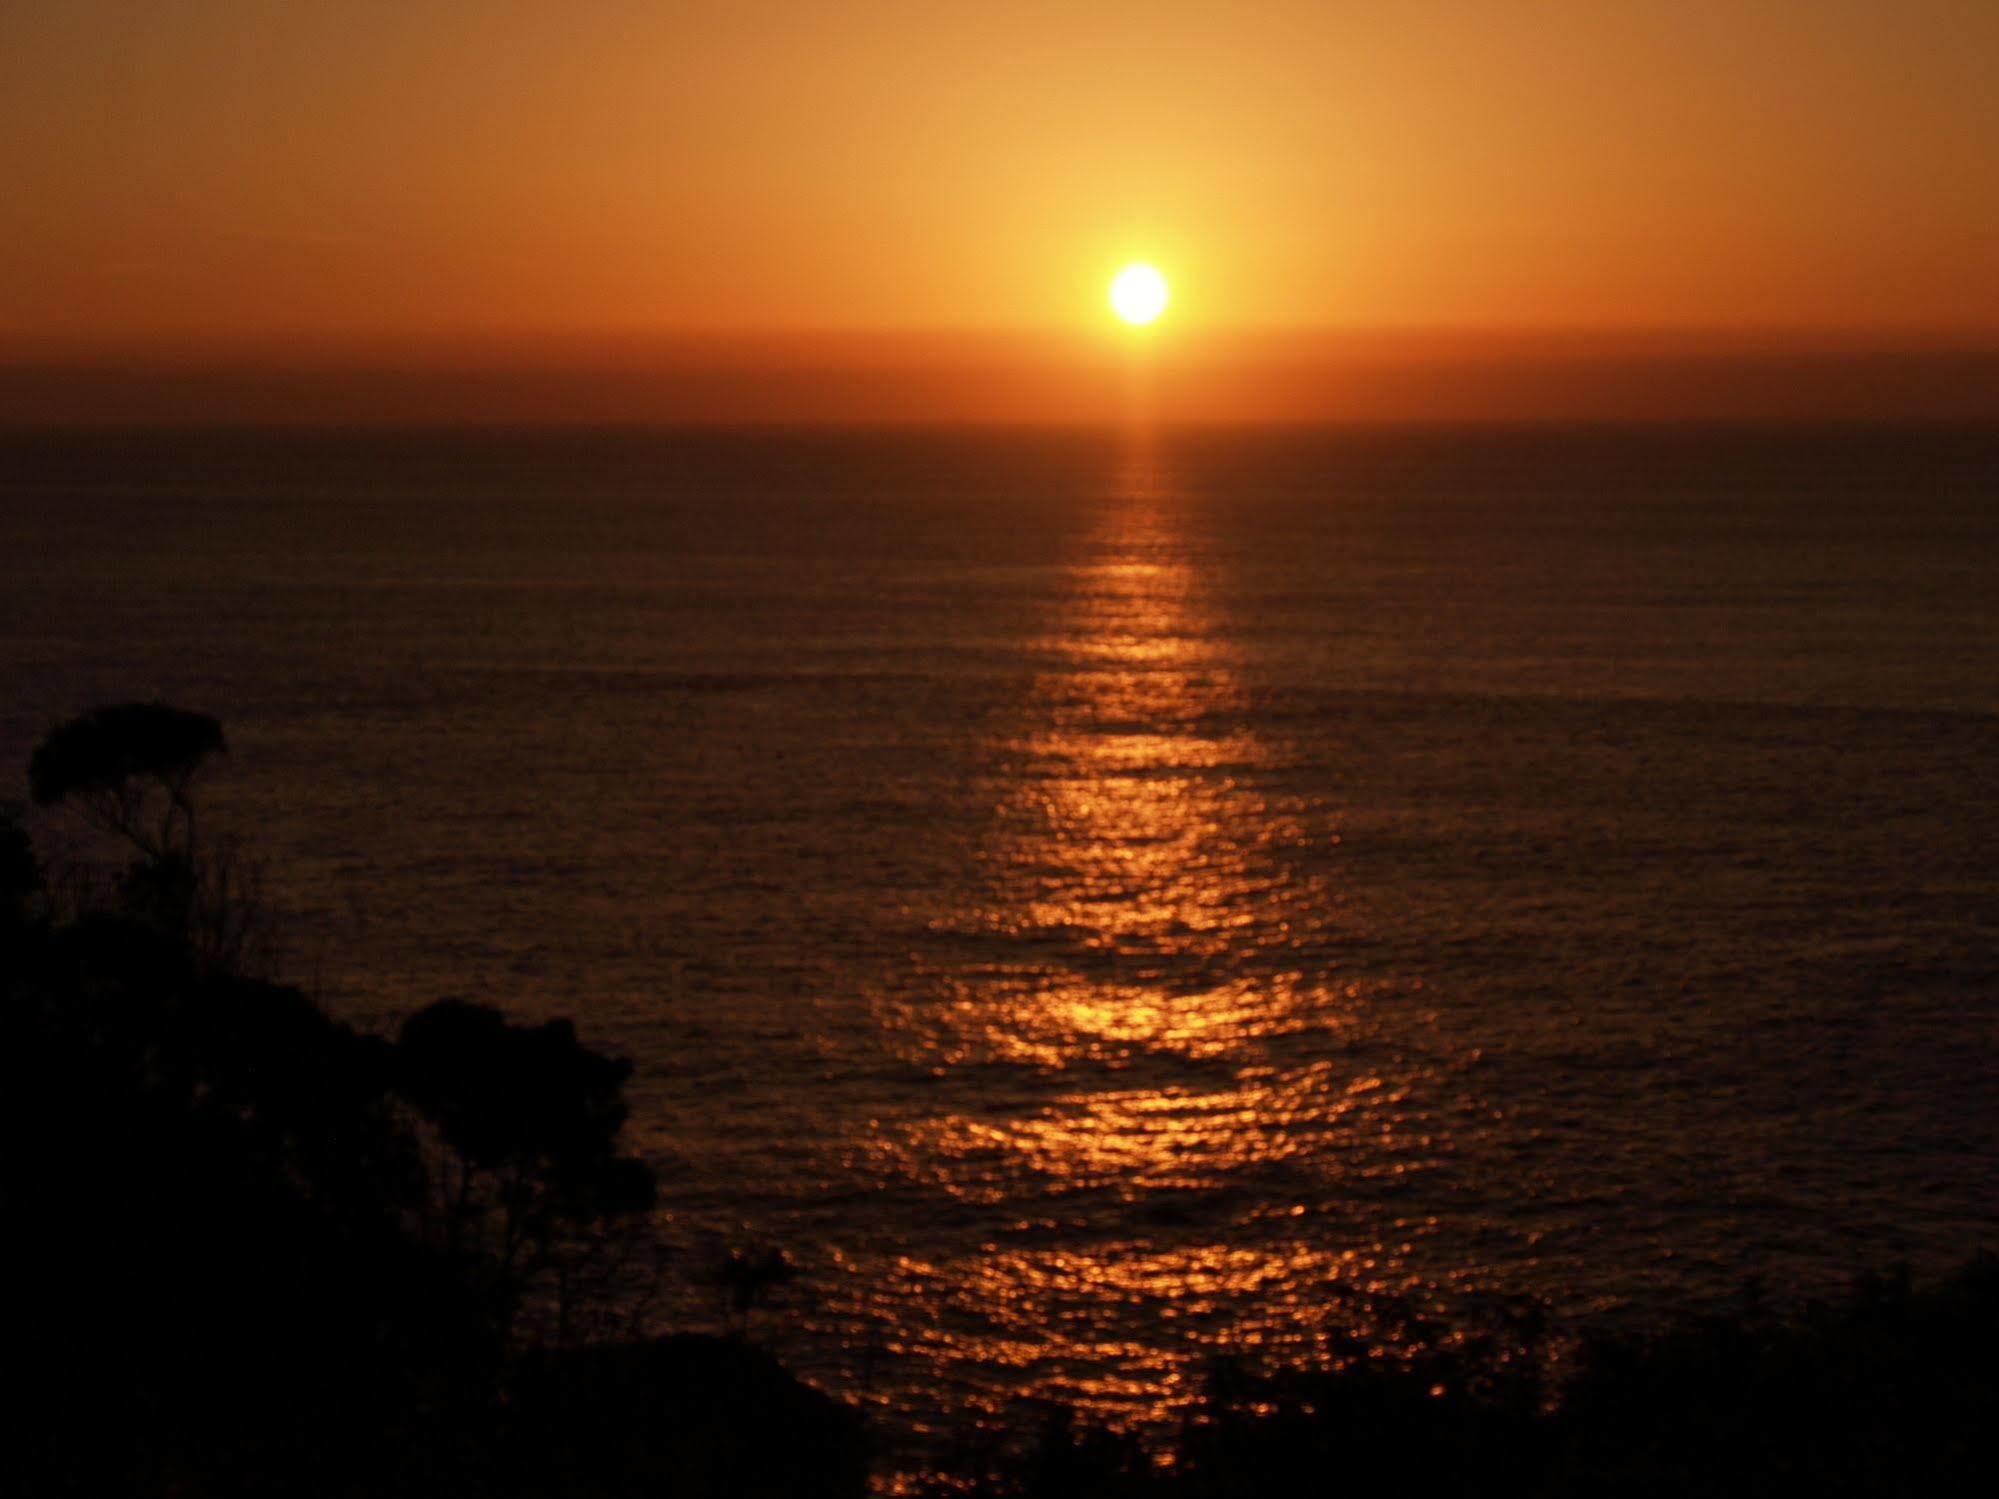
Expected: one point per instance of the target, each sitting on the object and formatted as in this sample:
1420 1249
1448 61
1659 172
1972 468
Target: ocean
1098 901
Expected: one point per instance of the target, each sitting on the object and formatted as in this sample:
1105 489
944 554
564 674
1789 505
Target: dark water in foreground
1095 902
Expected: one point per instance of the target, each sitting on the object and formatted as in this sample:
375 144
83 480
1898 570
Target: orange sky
389 183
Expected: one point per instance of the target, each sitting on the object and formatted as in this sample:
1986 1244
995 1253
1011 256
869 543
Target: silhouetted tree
131 768
532 1118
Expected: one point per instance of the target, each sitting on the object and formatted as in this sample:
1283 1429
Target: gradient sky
190 174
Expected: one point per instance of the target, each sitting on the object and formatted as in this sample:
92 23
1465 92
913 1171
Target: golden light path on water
1175 1091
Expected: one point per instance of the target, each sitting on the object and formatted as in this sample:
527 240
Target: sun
1138 293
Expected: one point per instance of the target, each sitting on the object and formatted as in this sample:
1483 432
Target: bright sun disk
1138 293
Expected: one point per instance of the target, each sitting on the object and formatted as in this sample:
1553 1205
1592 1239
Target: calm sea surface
1095 901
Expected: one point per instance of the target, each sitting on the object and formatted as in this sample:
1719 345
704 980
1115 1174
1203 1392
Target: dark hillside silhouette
256 1251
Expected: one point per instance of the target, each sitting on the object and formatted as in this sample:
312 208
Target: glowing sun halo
1138 294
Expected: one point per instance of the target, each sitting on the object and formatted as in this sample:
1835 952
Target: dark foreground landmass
253 1251
1892 1392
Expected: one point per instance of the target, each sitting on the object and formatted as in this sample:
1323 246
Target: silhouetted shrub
528 1102
531 1183
1895 1392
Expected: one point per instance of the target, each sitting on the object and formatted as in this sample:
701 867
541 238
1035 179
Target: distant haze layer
960 378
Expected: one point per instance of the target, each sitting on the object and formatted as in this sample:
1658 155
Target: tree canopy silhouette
532 1118
112 760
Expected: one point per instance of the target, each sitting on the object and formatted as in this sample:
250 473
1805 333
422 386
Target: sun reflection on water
1152 1072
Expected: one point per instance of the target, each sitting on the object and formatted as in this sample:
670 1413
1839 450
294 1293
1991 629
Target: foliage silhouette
531 1178
132 768
207 1192
239 1229
1893 1392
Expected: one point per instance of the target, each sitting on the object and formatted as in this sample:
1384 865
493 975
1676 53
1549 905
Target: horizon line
48 347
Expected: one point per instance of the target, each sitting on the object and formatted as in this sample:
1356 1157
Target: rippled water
1099 901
